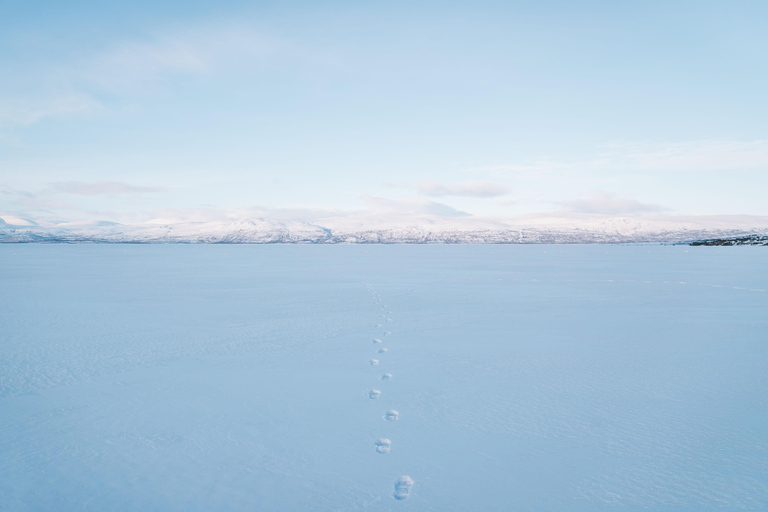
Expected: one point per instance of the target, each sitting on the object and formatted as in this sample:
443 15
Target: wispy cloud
15 193
416 206
396 184
136 65
194 51
106 188
467 189
28 201
605 203
216 214
689 156
27 111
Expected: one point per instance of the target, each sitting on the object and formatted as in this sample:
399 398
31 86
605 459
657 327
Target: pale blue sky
114 110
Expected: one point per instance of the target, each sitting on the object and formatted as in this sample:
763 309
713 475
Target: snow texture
383 445
529 377
403 487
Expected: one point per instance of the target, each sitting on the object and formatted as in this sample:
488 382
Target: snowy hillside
392 229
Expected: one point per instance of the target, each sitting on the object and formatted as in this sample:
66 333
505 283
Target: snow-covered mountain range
391 229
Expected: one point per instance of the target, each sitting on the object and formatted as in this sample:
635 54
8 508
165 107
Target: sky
127 111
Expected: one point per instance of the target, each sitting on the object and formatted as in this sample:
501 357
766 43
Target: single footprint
376 340
392 415
374 393
403 487
383 445
389 320
374 362
383 350
378 325
387 333
386 376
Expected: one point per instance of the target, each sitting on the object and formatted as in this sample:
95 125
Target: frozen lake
228 377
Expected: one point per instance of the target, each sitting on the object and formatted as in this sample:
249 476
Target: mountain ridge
362 229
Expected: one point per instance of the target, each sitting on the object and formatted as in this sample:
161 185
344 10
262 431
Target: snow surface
526 377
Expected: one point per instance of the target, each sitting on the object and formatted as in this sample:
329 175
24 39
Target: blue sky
118 111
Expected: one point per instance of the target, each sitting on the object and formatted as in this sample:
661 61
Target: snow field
569 378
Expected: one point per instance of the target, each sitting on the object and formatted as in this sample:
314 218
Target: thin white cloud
467 189
15 193
689 156
15 198
26 111
136 65
415 206
106 188
215 214
197 50
396 184
605 203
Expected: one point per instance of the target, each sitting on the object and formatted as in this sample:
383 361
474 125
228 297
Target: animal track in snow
383 445
403 486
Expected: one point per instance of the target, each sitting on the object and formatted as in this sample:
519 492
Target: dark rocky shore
741 240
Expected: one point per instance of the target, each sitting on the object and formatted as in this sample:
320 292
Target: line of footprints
404 484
